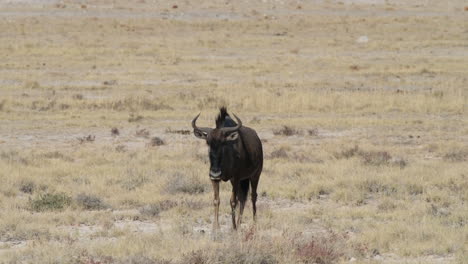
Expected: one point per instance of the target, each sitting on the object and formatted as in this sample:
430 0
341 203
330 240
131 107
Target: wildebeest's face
222 151
222 147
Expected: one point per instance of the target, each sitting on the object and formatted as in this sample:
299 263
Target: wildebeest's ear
233 136
200 133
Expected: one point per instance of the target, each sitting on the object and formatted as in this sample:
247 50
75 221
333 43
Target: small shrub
438 211
57 155
322 250
399 162
64 106
386 205
250 254
141 259
286 131
376 158
178 131
155 141
456 156
415 189
134 180
90 202
84 139
110 82
312 132
121 148
183 184
279 154
373 186
115 131
147 104
43 105
78 96
348 153
135 118
142 133
194 257
153 210
50 201
14 157
85 258
27 187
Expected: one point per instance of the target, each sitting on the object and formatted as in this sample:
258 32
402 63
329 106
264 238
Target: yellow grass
375 172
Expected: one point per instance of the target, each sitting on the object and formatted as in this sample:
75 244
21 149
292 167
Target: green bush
50 201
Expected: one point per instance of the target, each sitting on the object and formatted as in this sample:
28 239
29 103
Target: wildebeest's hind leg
254 184
242 195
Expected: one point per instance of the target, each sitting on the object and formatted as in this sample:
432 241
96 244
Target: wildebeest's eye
233 136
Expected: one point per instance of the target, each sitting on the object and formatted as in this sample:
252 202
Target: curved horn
201 132
232 129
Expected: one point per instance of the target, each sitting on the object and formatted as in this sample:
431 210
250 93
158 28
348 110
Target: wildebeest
236 155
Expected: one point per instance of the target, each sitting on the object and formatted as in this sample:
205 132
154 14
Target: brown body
236 155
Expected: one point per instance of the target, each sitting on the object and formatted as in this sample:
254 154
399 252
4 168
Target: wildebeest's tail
244 190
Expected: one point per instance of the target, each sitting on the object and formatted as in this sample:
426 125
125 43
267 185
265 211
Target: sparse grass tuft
456 156
195 257
178 131
27 186
115 131
376 186
156 141
348 153
313 132
13 156
376 158
142 133
134 118
78 96
286 131
90 202
253 253
153 210
85 139
50 202
179 183
142 259
56 155
134 179
280 153
321 250
373 158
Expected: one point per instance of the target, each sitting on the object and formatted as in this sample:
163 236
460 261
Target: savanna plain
361 107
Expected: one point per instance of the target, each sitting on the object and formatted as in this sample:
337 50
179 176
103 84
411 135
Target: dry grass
365 142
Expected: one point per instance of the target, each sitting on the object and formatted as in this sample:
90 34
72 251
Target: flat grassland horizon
360 105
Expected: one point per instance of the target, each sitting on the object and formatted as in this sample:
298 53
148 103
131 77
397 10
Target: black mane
223 119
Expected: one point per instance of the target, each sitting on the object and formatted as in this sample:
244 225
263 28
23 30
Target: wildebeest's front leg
233 206
216 203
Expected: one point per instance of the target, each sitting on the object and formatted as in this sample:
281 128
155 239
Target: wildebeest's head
222 142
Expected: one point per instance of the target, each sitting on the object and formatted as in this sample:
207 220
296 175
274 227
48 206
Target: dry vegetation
361 107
